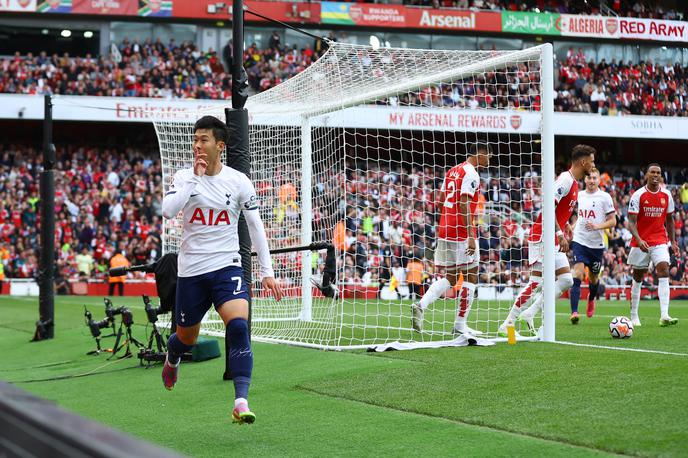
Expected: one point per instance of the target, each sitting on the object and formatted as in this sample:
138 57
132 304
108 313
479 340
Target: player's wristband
558 233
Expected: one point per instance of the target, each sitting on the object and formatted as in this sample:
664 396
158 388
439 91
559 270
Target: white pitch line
594 316
607 347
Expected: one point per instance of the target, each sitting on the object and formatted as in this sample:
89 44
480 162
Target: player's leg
579 261
661 260
192 302
231 293
465 301
530 290
564 281
445 255
574 297
234 314
593 282
639 261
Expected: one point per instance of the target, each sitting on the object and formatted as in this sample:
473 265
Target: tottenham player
595 214
651 221
457 248
565 197
211 197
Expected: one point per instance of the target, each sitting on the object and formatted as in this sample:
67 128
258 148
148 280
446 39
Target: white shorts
536 256
450 253
658 253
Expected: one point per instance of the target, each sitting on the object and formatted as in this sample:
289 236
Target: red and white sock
523 297
465 300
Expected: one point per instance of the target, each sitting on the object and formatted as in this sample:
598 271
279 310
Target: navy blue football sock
575 295
593 291
240 356
176 348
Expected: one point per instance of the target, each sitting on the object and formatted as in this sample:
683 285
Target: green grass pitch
531 399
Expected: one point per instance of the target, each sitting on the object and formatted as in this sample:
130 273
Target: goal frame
306 118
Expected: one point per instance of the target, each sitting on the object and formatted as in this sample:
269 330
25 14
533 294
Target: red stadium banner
282 11
622 28
109 7
453 20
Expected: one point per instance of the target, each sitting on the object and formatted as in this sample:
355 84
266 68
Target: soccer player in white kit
211 197
651 221
565 197
596 213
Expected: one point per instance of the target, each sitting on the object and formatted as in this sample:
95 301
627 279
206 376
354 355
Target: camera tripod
129 339
98 349
150 355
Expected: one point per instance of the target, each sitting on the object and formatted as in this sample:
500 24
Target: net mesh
353 151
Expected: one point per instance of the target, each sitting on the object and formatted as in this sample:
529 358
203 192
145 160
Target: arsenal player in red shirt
651 221
457 247
566 198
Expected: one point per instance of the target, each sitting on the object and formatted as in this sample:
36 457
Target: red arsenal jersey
565 198
460 180
652 209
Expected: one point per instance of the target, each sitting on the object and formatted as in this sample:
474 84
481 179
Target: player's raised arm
178 195
249 207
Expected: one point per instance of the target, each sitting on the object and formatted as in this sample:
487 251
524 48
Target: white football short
536 256
658 253
450 253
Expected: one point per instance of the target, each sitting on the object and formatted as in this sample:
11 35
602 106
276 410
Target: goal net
353 151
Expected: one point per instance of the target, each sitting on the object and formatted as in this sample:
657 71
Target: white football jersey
210 239
593 207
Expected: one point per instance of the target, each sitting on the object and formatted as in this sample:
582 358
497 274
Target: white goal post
353 151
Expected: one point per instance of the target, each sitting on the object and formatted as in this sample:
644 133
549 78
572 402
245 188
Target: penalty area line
608 347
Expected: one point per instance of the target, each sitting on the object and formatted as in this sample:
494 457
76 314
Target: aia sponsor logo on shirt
209 217
588 214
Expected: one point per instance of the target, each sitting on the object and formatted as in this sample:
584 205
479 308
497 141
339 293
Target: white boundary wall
132 109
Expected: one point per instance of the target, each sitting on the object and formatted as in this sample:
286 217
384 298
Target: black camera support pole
45 326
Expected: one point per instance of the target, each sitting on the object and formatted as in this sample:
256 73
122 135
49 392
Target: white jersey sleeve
248 199
608 204
562 186
249 207
470 182
670 208
183 184
634 203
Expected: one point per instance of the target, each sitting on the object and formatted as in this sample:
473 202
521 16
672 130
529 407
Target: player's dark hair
581 151
476 148
654 164
220 131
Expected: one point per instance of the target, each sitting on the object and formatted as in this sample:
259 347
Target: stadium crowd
616 87
148 69
154 69
108 202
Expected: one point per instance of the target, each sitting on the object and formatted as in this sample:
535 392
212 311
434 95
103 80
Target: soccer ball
621 327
